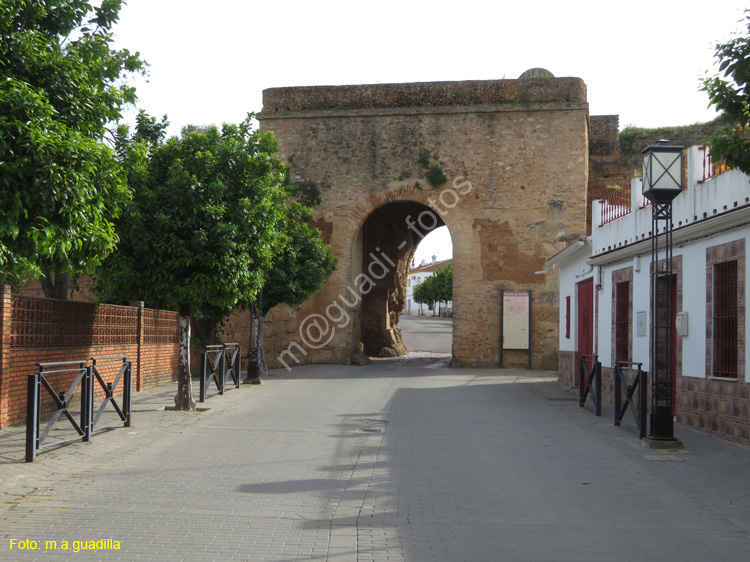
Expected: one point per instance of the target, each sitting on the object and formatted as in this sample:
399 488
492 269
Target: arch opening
433 253
390 236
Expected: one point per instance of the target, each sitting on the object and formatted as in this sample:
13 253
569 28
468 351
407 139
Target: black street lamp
662 182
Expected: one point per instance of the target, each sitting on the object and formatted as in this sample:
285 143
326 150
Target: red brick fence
35 330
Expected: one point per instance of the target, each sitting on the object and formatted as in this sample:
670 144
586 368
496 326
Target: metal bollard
32 416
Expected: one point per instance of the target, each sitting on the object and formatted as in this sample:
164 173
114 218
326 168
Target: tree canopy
60 185
729 92
206 219
300 269
205 222
436 288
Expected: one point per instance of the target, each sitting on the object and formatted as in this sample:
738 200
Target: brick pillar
5 325
139 354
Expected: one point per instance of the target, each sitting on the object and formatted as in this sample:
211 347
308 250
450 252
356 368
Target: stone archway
503 163
390 236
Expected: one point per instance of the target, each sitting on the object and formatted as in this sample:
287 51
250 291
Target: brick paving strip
394 461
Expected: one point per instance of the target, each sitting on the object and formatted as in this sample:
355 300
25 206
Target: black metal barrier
218 362
124 374
85 377
640 384
588 379
232 355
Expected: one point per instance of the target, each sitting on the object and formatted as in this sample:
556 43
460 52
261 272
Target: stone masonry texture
515 157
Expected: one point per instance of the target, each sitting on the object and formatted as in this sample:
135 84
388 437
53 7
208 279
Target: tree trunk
56 288
183 400
262 367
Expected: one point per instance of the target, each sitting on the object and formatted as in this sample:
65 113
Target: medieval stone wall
606 165
515 156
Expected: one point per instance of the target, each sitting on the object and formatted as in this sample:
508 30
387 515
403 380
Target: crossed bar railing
85 376
590 382
218 364
125 373
639 409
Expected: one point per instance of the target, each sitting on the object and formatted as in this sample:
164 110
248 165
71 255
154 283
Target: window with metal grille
622 321
725 320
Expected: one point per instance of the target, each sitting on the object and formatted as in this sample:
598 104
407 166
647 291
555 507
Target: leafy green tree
298 271
729 92
204 225
436 288
444 281
422 293
60 185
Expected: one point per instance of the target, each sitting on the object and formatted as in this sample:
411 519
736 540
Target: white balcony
623 220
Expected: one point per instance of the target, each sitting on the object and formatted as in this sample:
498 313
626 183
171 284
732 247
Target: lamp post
662 182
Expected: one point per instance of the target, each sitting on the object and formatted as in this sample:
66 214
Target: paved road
389 462
425 333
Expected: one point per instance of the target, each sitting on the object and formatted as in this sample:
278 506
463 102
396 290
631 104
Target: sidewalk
390 462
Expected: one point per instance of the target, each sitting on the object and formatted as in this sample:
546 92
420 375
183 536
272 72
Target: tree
423 293
60 185
435 288
298 271
204 224
730 94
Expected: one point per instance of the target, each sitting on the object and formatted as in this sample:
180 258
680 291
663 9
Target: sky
211 61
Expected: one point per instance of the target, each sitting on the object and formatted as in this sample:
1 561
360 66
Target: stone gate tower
502 163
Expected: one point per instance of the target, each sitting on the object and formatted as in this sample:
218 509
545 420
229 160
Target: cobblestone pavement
396 461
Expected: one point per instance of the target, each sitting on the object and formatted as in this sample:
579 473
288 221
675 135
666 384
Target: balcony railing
712 169
616 205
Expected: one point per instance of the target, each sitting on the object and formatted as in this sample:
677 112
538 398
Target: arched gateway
502 163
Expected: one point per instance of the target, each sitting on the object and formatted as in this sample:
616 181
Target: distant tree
422 293
60 186
445 280
435 288
298 271
729 93
204 225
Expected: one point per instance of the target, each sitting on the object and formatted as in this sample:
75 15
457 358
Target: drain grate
371 430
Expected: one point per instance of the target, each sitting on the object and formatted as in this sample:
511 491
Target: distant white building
416 276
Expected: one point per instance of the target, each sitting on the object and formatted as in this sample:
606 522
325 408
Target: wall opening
390 237
428 327
433 253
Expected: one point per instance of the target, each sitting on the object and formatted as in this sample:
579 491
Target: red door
585 320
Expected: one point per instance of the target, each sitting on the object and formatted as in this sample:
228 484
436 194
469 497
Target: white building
416 276
605 293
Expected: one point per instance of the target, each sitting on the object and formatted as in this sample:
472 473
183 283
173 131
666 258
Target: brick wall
716 406
5 333
36 330
567 368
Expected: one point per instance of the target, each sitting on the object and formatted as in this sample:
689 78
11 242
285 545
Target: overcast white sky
211 60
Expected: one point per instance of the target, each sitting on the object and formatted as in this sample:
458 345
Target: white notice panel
516 310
